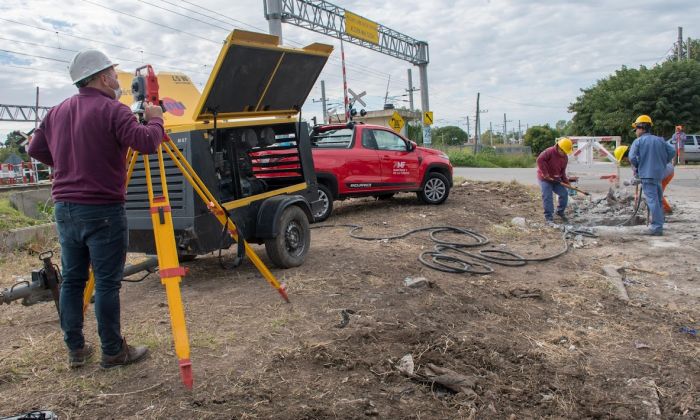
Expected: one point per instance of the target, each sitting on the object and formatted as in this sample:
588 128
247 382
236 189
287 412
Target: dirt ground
546 340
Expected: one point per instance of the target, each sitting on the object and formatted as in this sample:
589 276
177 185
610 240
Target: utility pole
424 100
505 128
274 17
410 89
467 128
477 139
520 133
687 49
490 134
323 102
36 110
386 96
679 46
346 102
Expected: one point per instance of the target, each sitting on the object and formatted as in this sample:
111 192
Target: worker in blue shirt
649 155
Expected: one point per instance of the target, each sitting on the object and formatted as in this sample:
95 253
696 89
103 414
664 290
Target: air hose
474 263
637 203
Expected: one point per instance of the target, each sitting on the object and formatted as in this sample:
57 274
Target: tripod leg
170 270
89 289
213 205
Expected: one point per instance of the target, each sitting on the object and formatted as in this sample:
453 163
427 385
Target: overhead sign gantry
328 19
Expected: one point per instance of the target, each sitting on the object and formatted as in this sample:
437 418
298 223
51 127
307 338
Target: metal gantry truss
24 113
326 18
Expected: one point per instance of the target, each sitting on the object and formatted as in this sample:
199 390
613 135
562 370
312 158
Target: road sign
358 97
428 117
396 122
361 28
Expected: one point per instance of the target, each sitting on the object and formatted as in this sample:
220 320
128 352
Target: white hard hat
86 63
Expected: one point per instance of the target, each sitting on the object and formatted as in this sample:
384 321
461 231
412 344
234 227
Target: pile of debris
617 208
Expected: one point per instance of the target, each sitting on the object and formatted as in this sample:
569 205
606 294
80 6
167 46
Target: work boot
78 358
563 217
653 233
127 355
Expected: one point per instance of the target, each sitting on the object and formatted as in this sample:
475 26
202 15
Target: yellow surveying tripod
169 267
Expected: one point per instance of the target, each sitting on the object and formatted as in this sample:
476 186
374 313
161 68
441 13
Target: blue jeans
548 202
94 235
654 194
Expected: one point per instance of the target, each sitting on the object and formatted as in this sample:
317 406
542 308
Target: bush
540 137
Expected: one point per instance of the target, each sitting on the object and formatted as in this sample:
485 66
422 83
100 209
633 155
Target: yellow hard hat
642 119
620 153
566 145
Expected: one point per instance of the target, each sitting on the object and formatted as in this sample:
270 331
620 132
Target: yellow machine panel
255 77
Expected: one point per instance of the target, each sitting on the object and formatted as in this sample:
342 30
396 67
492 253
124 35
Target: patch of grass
278 323
205 340
11 218
489 159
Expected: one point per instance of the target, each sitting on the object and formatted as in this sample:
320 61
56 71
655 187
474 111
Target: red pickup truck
355 159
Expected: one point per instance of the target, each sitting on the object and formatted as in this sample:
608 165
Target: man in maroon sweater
551 172
85 140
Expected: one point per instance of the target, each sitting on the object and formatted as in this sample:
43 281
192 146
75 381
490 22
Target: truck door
399 163
340 152
364 172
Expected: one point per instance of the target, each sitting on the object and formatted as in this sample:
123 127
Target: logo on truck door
400 168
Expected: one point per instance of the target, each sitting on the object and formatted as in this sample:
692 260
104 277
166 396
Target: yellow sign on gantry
361 28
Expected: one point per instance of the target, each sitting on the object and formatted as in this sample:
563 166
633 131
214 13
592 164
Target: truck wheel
292 243
326 197
435 190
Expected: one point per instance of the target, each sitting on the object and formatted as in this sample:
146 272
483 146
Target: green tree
487 137
565 128
669 93
11 145
451 135
540 137
695 49
13 139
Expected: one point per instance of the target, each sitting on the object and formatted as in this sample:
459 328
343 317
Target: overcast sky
528 58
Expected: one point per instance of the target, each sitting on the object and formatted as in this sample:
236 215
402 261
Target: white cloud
529 59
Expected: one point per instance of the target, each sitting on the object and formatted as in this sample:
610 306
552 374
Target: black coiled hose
474 263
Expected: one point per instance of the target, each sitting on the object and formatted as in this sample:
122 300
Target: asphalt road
685 184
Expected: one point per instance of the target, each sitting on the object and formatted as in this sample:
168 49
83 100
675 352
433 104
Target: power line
523 104
220 14
205 15
101 42
33 69
185 16
35 56
151 22
115 58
